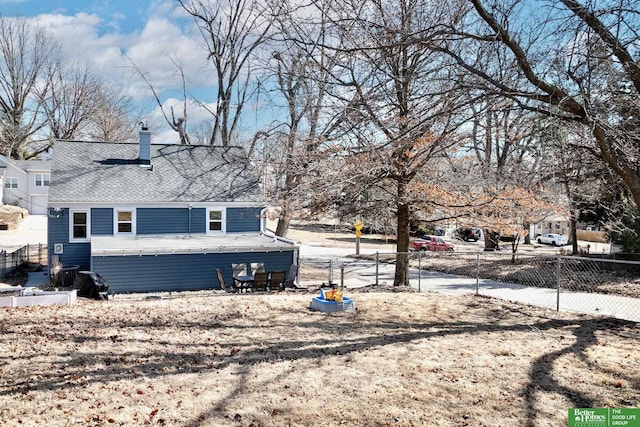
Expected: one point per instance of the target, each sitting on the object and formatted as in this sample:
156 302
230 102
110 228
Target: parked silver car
553 239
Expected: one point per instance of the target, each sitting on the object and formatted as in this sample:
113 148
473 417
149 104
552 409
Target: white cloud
79 37
155 45
160 48
154 49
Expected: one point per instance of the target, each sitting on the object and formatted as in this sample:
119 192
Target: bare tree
114 118
578 176
400 109
69 104
508 150
574 62
300 67
27 56
201 132
176 123
232 30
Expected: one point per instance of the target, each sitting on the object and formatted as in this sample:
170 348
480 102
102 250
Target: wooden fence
593 236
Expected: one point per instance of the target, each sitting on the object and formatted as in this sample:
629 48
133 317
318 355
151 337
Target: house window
79 226
11 182
125 220
42 179
215 221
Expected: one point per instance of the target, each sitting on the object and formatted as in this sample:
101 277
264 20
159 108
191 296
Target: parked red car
430 243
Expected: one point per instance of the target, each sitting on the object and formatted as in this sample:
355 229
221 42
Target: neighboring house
25 183
555 224
3 169
158 217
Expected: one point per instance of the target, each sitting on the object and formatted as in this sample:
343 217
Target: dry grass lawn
401 359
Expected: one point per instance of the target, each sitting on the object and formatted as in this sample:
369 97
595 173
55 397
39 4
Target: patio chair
257 267
291 277
239 269
260 281
221 280
276 281
223 286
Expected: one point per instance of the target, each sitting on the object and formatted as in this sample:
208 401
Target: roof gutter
186 251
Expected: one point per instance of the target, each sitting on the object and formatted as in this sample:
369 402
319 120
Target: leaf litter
401 359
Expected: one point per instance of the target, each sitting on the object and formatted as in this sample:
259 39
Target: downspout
265 232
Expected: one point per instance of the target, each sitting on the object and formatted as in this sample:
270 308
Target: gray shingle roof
33 165
87 172
26 165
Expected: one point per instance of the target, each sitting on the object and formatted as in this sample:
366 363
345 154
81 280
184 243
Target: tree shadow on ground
343 335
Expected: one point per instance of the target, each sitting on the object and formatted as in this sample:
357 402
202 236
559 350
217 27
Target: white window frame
72 225
223 221
43 178
11 182
116 222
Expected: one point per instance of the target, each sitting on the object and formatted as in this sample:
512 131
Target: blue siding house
158 217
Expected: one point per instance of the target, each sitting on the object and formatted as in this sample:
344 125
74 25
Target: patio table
245 281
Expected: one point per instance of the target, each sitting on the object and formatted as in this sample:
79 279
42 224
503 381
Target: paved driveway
32 230
360 273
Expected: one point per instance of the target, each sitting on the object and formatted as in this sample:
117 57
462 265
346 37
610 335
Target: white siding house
25 183
554 224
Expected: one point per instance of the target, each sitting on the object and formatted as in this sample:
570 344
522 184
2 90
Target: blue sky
111 33
127 16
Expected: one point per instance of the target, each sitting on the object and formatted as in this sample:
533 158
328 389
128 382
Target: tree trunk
491 240
527 237
286 214
402 246
284 220
629 176
573 234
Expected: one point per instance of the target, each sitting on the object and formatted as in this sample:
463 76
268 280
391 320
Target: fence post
558 284
330 278
419 270
477 274
377 261
342 275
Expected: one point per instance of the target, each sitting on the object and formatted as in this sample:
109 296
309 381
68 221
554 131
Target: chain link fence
10 260
576 283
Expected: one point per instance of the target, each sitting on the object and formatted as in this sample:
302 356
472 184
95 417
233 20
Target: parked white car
553 239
